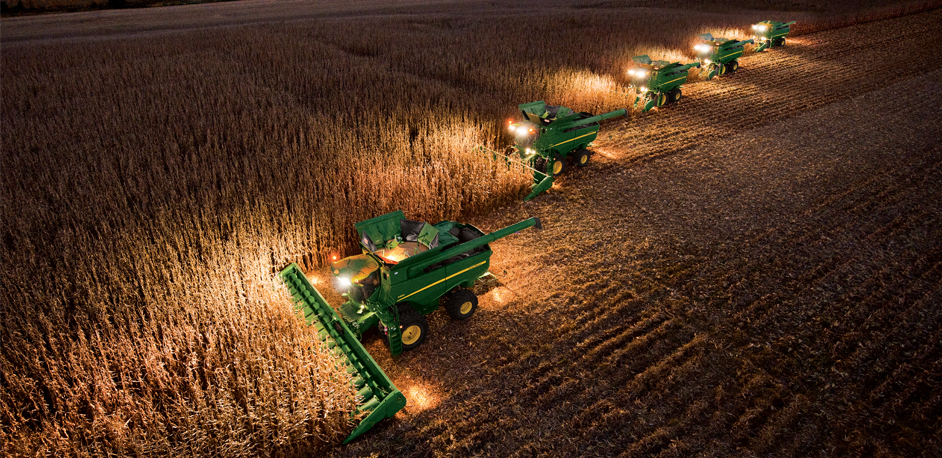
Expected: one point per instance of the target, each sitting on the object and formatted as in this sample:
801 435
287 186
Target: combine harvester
719 55
770 34
549 136
405 269
657 83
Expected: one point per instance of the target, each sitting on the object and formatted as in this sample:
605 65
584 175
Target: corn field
154 184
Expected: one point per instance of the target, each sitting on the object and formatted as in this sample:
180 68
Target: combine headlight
702 47
643 89
344 281
707 61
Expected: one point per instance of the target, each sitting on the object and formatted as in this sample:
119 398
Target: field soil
752 272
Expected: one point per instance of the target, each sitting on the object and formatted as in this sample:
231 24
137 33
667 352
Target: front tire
732 66
581 157
414 327
559 164
462 304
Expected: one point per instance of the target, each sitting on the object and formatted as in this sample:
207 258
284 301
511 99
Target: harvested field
762 281
754 271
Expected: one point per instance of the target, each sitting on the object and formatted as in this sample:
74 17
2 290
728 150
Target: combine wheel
462 304
559 163
675 95
732 66
581 157
414 327
780 41
723 68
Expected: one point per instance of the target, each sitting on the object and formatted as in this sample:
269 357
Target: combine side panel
379 398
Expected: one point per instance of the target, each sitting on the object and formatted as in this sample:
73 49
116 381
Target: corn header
657 83
719 55
405 271
550 136
770 34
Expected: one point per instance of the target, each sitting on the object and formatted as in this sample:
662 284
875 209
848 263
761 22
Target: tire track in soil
633 324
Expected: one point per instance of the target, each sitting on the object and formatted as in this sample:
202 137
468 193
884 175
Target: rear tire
732 66
462 304
675 95
414 327
581 158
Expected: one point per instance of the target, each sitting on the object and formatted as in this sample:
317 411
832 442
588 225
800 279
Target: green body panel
377 396
551 133
769 34
715 53
654 80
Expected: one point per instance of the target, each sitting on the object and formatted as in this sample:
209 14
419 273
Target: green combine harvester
770 34
406 269
550 135
657 83
719 55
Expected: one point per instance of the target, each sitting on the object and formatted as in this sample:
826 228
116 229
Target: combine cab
719 55
404 270
657 83
770 34
550 135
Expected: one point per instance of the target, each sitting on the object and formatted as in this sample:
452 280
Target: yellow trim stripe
730 54
671 81
574 139
446 278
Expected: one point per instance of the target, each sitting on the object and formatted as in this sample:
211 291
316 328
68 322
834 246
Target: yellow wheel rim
583 159
557 166
466 308
411 334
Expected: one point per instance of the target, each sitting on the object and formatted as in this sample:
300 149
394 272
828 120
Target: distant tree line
18 7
